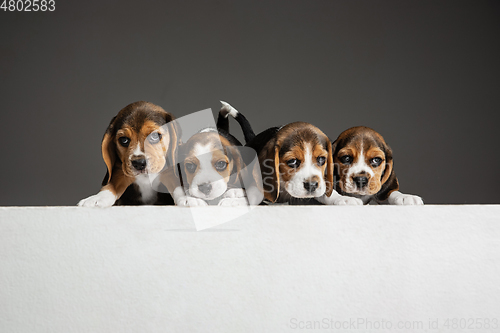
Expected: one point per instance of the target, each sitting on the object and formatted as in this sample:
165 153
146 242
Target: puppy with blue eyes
134 148
214 168
364 168
210 167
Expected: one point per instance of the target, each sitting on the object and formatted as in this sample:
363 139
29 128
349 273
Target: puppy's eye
124 141
293 163
221 165
191 167
154 137
346 159
375 161
321 160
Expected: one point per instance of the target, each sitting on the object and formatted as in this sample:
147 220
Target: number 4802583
28 5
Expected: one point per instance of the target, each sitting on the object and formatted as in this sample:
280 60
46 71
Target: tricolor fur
212 169
207 162
134 148
295 161
364 168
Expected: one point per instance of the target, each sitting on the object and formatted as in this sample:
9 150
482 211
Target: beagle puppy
135 148
364 168
296 163
210 168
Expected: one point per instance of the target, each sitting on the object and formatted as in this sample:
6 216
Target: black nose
311 186
360 181
205 188
139 164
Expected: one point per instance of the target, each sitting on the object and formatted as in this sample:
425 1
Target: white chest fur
148 194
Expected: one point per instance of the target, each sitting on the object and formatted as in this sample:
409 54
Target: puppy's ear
178 165
271 174
388 165
389 180
170 178
329 169
108 148
174 132
336 173
234 155
255 180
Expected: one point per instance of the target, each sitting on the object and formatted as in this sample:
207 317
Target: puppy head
299 162
137 141
209 164
363 162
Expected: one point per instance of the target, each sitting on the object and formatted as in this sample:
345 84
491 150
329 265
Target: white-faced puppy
364 168
296 163
134 148
210 166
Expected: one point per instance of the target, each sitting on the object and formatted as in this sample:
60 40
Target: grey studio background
425 74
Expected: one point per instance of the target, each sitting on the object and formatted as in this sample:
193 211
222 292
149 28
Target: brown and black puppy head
138 140
300 161
363 162
208 164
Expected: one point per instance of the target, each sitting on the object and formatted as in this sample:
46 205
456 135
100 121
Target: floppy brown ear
256 179
336 173
271 182
178 163
329 170
389 180
170 178
234 154
108 148
174 132
334 146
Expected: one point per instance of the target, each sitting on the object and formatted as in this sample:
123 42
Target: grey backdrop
425 74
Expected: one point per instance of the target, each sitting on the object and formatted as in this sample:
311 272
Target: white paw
347 201
187 201
232 202
405 199
340 200
101 199
234 193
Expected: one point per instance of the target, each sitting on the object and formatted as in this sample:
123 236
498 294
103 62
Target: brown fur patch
375 182
350 143
154 153
290 143
287 172
136 121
